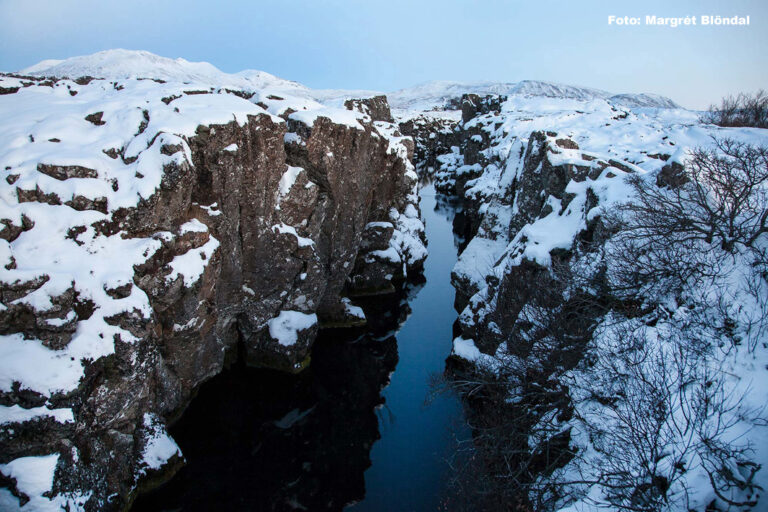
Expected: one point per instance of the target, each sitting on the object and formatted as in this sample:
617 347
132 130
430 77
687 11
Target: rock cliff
547 335
152 231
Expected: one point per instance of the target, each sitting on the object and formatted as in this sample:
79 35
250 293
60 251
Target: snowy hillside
437 94
119 64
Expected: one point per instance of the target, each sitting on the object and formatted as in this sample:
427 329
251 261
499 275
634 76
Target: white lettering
680 21
623 20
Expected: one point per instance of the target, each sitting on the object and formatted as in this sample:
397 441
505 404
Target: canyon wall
571 331
154 232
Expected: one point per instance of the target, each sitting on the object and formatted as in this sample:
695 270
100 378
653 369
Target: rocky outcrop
433 136
183 227
505 181
304 440
473 105
544 317
522 276
539 212
376 106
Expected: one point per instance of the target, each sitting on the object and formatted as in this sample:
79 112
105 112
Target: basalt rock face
518 192
507 179
377 107
309 434
181 229
520 276
433 137
550 182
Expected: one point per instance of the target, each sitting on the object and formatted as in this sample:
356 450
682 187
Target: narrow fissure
361 427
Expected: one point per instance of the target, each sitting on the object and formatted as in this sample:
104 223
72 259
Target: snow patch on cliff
159 447
286 326
34 477
18 414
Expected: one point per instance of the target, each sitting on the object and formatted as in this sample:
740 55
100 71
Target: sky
388 45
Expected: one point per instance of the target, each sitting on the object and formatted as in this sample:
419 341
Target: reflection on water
257 439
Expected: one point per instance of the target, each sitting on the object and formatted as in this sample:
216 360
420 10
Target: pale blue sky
387 45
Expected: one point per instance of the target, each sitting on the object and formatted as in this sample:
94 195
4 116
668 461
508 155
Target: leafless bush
722 198
741 110
690 235
664 413
498 468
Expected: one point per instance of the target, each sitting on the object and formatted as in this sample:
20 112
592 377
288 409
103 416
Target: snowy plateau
159 215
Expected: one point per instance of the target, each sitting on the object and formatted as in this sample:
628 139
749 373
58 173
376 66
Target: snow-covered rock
536 174
153 212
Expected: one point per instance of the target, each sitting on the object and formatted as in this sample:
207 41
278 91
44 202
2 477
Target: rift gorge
233 292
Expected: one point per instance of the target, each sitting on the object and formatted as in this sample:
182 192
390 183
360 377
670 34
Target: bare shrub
741 110
722 198
692 236
664 413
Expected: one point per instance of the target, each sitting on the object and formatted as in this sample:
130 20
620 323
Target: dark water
331 437
409 468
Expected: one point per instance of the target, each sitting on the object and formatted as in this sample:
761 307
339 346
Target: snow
34 477
120 64
284 228
478 259
389 254
58 322
192 263
191 324
17 414
348 118
554 231
286 182
285 327
232 148
182 75
352 310
211 209
292 138
193 226
160 447
385 225
42 65
466 349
